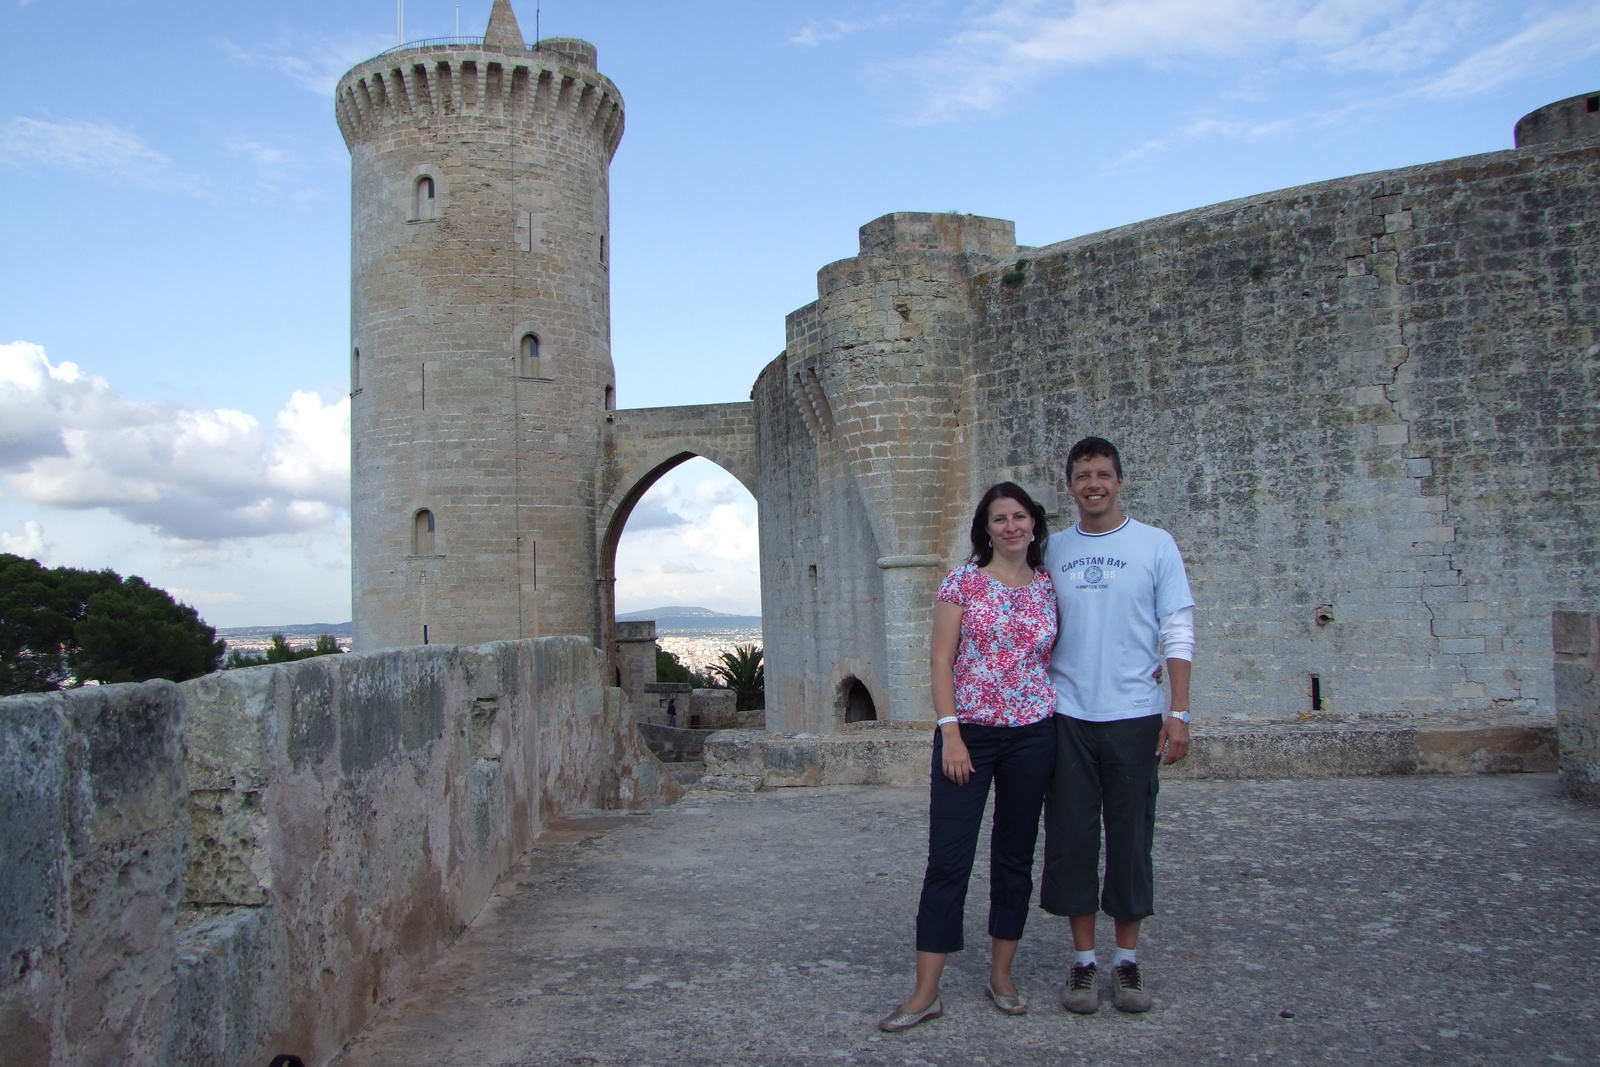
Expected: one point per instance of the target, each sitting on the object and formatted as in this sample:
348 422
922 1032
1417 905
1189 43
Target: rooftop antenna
535 26
399 22
458 20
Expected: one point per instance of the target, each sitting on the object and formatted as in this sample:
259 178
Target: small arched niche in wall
857 701
530 356
424 194
422 534
355 371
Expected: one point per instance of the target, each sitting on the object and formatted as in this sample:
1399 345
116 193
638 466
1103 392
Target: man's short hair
1090 447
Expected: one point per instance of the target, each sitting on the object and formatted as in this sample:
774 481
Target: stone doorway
857 701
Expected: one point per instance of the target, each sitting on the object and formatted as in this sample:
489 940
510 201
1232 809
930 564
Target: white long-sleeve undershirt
1177 634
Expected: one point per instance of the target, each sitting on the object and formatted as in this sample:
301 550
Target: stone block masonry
1576 638
251 862
482 379
1367 409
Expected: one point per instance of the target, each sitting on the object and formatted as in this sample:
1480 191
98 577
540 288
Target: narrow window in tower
602 249
611 398
528 356
355 371
422 533
423 204
424 387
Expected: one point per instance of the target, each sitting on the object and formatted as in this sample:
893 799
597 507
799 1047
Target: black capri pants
1019 761
1106 773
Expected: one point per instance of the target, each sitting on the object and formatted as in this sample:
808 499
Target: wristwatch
1181 716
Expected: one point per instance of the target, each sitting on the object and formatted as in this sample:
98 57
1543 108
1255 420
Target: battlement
935 231
1571 119
481 83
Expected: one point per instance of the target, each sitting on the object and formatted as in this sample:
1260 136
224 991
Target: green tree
134 632
280 651
64 626
742 671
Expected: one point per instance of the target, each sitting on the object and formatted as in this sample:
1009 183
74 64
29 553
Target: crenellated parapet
554 84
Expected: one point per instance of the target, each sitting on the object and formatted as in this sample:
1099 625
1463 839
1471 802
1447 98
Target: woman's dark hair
982 550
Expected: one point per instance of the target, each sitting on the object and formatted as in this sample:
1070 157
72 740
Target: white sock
1125 955
1085 958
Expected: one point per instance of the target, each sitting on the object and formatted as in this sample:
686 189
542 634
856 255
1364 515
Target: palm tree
741 670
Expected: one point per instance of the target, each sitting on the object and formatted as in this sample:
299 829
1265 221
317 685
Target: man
1123 597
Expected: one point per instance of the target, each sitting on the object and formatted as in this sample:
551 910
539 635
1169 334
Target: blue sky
174 219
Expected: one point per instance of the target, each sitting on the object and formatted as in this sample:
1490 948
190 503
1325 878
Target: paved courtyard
1381 920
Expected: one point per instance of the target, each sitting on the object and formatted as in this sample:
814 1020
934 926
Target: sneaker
1128 991
1081 994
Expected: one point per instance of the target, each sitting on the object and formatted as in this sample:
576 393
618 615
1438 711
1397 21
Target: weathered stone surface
1576 636
674 744
1367 409
480 217
901 753
350 815
93 832
1421 920
1574 118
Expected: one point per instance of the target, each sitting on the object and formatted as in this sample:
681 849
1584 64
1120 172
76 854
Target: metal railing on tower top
445 42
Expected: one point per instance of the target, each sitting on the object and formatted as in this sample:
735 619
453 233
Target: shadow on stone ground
1400 920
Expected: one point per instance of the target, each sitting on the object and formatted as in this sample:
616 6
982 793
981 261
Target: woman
994 625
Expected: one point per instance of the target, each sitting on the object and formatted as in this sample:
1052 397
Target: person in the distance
994 625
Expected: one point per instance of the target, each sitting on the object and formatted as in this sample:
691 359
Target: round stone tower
480 365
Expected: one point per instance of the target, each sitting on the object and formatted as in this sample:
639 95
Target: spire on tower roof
503 34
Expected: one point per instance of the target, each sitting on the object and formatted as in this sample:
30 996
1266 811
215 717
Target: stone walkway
1379 920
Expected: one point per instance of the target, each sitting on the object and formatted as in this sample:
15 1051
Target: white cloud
1556 41
29 543
274 169
1206 129
823 31
1004 46
68 440
203 598
98 149
709 557
316 66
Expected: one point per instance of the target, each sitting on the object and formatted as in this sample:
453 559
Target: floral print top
1006 639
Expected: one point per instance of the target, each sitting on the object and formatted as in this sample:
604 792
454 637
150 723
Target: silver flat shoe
1006 1004
898 1020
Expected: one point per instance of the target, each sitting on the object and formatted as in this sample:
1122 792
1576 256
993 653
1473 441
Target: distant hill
291 630
681 618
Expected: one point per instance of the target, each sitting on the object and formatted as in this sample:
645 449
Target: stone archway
649 442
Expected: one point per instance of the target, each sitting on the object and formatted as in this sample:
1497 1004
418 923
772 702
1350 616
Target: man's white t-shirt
1112 589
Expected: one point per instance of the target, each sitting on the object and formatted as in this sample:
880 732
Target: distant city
697 636
259 638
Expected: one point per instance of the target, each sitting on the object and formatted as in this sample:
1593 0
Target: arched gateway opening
684 539
679 480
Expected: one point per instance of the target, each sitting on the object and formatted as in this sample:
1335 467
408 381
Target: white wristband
947 718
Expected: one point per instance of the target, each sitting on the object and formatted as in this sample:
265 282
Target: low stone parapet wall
673 744
251 862
900 753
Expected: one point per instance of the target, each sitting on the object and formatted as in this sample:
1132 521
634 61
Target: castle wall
1365 408
822 606
447 414
330 825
